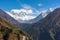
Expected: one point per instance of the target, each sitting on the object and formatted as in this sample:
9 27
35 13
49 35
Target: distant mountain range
42 15
17 16
47 28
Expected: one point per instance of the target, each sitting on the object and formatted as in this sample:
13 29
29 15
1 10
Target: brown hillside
10 32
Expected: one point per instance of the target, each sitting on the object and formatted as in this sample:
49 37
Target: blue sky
37 4
32 8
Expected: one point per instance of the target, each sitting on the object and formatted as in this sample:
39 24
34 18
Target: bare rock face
10 32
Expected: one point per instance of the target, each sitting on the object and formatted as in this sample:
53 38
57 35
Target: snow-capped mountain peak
21 14
24 15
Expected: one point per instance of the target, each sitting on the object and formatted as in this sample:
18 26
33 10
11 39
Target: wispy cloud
26 6
40 4
51 9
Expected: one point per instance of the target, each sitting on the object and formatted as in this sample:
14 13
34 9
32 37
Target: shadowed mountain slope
10 32
47 28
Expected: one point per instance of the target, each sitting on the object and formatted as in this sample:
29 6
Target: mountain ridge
50 24
47 28
10 32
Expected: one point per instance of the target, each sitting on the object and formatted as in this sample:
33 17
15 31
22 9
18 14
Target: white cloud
26 6
51 9
40 4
